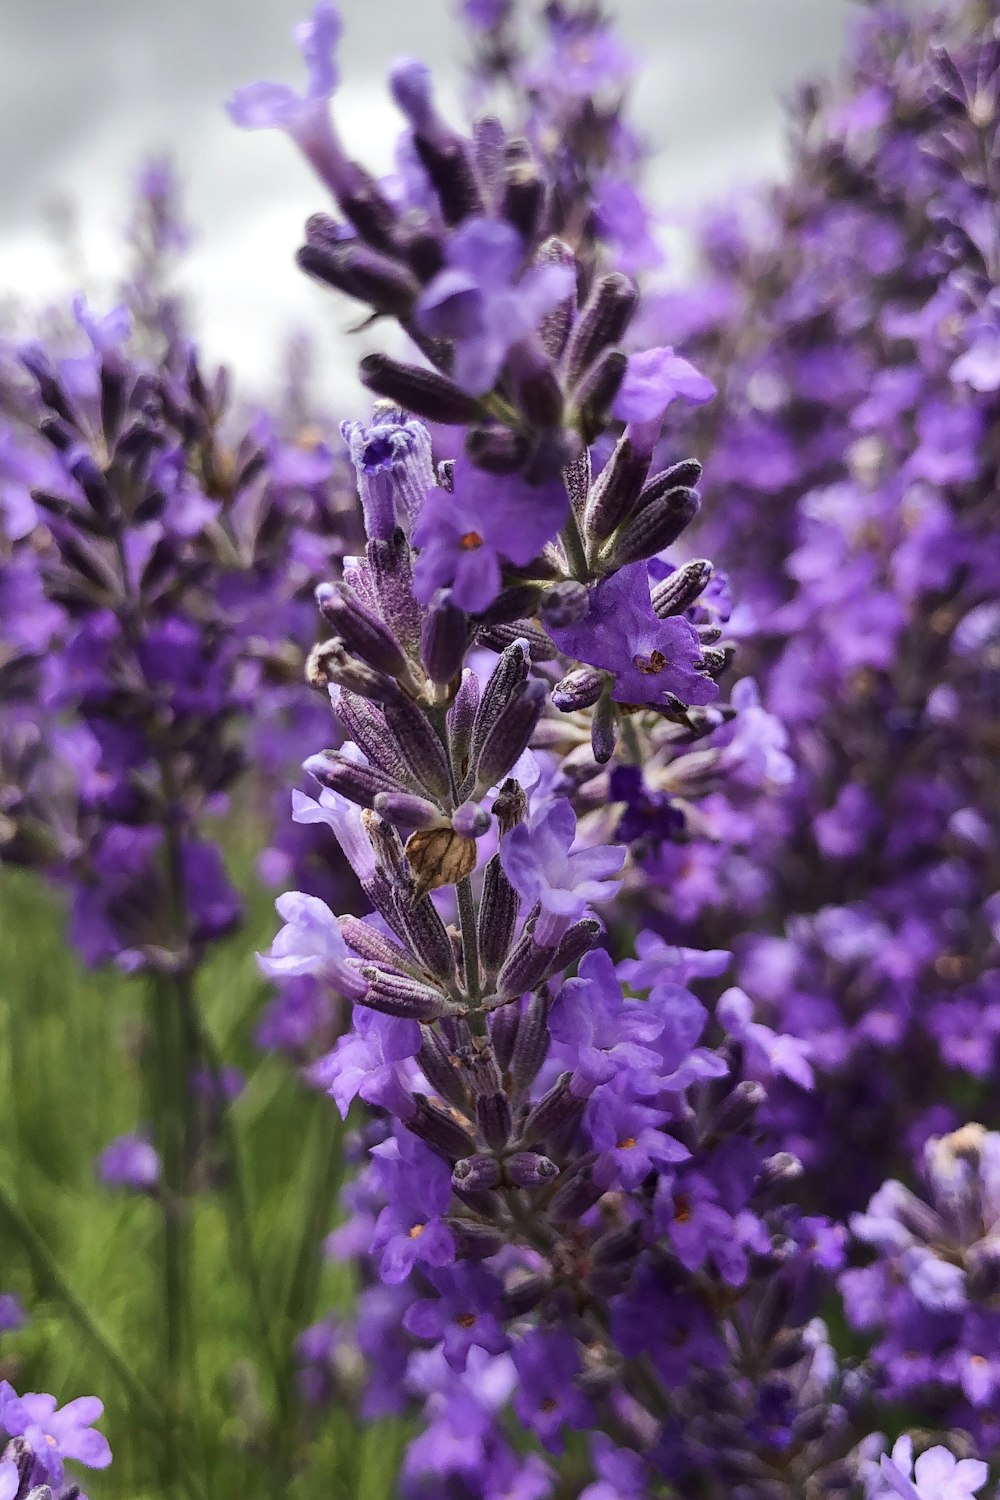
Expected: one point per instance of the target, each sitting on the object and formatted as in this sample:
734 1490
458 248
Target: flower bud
524 1295
576 1194
597 390
494 1119
397 995
380 280
614 493
654 528
331 662
579 689
526 1169
475 1241
498 450
575 942
531 1046
418 745
510 734
441 1130
676 593
525 968
512 605
360 629
604 729
443 639
555 1112
391 572
368 943
359 783
499 637
406 810
475 1174
601 323
555 326
497 916
416 389
523 198
439 1067
566 603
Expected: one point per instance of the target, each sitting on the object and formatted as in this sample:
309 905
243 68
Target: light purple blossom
129 1162
311 942
55 1433
537 860
936 1475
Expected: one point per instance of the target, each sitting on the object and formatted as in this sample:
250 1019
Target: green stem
329 1169
576 552
48 1271
470 955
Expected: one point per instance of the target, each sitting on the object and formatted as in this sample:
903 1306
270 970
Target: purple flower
10 1480
12 1315
650 658
603 1032
537 861
630 1140
129 1162
547 1396
936 1475
409 1230
54 1434
775 1054
465 1314
654 379
392 457
263 105
364 1063
310 943
463 535
477 303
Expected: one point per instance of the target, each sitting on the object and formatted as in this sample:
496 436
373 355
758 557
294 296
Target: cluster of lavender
41 1436
852 323
569 1216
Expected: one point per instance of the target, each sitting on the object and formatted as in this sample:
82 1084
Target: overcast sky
88 86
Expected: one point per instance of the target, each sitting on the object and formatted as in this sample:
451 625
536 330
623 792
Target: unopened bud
416 389
526 1169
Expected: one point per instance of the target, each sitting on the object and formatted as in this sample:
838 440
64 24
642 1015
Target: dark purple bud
503 1032
370 944
418 745
471 820
93 482
555 326
601 323
526 1169
475 1241
392 580
532 1044
556 1111
383 282
421 391
427 935
453 179
576 1194
983 1270
567 603
787 1349
406 810
686 473
499 637
360 629
498 450
654 528
677 592
443 639
597 390
510 735
614 492
738 1109
365 725
37 363
331 662
419 244
508 675
461 722
575 942
538 392
524 1295
579 689
440 1068
396 995
441 1130
113 395
716 659
524 199
494 1120
360 784
526 967
497 916
604 730
476 1174
362 201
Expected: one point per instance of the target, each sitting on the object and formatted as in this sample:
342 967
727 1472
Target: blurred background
88 88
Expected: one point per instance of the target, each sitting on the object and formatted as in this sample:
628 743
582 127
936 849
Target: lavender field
500 878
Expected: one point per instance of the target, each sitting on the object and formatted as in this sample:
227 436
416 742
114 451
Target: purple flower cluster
42 1435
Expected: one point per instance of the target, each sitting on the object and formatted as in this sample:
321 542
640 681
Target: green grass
71 1078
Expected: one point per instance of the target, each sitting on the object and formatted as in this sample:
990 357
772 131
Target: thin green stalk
329 1169
48 1271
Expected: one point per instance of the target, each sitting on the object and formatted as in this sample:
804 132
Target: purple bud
677 592
448 165
509 673
419 747
523 199
567 603
360 784
441 1130
596 391
389 562
471 820
410 83
511 734
503 1032
365 274
494 1119
406 810
475 1241
426 934
525 968
576 1194
614 492
461 723
497 916
360 629
604 730
365 725
498 637
370 944
475 1174
397 995
620 1247
555 326
532 1044
654 528
526 1169
738 1109
601 323
524 1295
579 690
331 662
556 1110
443 639
416 389
439 1067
